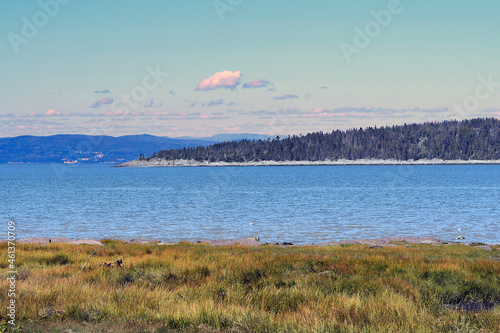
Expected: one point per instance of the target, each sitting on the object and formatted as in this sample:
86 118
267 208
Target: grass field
202 288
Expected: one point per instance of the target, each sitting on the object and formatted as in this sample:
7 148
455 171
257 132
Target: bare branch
93 253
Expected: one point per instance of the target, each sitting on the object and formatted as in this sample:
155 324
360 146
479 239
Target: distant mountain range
74 148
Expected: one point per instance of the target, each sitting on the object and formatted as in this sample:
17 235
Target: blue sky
270 67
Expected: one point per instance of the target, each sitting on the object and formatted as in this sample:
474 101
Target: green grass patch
200 288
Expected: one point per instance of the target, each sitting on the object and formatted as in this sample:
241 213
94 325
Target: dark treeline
449 140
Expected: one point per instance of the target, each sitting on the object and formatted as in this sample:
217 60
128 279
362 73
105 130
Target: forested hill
475 139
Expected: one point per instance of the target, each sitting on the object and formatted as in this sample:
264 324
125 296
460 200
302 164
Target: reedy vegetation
195 288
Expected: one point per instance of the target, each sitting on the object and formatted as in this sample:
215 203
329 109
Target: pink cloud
234 129
52 112
363 114
118 113
323 115
224 79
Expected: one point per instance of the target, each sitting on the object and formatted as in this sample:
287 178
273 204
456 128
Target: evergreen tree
448 140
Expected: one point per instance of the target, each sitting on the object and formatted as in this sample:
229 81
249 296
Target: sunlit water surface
299 204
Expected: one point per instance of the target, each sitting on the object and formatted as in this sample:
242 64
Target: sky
204 67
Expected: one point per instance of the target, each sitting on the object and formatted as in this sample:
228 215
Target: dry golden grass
200 288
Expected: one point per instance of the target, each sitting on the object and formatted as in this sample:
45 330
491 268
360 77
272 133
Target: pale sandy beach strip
256 241
158 162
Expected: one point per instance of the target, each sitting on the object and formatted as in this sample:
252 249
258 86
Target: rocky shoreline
159 162
255 241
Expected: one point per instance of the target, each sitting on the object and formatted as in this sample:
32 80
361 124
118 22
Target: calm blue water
296 204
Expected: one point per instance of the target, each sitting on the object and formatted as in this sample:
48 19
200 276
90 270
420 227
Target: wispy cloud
102 101
494 112
163 115
189 116
283 111
149 103
257 83
343 113
224 79
212 102
281 98
318 112
105 91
